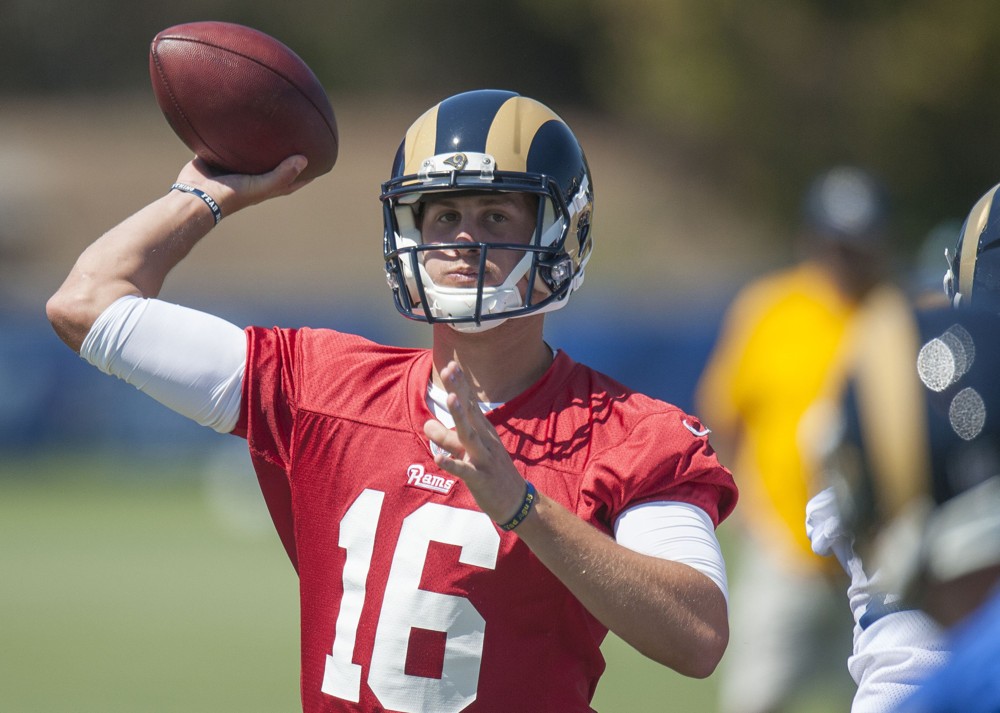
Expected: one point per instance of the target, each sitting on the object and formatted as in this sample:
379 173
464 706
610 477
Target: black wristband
209 201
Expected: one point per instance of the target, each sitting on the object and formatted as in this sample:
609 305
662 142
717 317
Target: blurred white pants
788 631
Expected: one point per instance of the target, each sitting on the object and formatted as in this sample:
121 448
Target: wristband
209 201
522 512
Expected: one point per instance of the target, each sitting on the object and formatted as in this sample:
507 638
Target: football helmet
488 141
915 461
973 275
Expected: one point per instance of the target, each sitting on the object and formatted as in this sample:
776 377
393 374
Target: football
241 100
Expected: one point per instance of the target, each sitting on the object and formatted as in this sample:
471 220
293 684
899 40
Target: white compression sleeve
675 531
189 361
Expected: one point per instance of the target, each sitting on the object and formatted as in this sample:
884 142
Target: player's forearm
666 610
133 258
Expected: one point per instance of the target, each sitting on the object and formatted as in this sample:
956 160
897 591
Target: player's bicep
190 361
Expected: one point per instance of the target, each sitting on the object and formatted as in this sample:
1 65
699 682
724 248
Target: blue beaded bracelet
530 495
209 201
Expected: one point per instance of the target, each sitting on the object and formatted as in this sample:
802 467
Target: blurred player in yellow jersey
781 348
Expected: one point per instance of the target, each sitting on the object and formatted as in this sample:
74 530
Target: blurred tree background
756 97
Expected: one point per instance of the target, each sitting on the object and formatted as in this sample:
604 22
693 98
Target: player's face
492 218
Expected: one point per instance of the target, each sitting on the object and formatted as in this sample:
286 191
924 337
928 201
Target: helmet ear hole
556 274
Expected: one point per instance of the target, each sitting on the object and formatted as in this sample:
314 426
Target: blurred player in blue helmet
915 465
973 276
916 472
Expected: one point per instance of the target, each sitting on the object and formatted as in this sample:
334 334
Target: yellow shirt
780 349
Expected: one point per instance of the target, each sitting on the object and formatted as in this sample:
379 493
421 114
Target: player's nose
465 233
464 227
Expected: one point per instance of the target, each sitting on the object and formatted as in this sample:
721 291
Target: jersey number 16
406 606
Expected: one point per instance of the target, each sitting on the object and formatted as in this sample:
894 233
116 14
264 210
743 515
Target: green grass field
126 588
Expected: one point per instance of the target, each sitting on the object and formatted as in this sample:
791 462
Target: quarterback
467 521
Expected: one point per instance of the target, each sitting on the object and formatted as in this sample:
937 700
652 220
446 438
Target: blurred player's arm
135 257
894 648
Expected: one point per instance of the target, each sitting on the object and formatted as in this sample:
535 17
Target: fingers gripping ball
241 100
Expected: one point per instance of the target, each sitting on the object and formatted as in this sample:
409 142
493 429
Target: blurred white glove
894 649
825 530
827 535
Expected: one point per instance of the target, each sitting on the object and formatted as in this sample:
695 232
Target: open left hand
477 457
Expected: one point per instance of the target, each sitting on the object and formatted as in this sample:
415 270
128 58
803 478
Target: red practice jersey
411 598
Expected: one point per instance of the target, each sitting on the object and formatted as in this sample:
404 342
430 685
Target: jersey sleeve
269 395
267 420
892 658
290 373
666 456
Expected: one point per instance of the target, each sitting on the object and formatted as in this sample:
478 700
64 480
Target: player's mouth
461 278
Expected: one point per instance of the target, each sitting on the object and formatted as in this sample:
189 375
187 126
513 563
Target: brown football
240 99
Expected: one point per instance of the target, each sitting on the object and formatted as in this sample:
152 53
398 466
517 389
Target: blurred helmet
489 141
916 457
846 204
973 276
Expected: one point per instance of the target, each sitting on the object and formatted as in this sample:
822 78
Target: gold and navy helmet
916 461
973 276
489 140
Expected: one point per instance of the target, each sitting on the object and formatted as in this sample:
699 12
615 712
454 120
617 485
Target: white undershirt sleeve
189 361
676 531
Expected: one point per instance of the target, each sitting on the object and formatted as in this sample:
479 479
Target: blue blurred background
54 400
